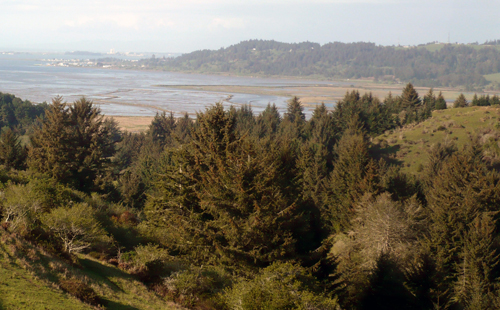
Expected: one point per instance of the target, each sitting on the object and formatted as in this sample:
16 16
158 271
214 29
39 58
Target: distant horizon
161 53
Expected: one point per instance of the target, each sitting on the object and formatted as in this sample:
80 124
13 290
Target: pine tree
409 98
478 265
268 121
12 153
461 102
161 128
74 145
475 101
463 189
294 120
440 102
354 174
231 200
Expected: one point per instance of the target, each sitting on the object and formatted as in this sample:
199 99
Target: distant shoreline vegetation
430 65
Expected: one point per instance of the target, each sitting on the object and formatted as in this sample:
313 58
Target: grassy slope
408 146
28 278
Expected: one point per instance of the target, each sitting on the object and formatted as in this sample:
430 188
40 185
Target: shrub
75 226
198 285
152 262
81 291
279 286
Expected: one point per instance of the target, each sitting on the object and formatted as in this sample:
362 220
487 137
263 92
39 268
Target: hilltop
431 65
409 146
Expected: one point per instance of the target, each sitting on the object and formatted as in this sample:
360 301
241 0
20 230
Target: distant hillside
410 145
426 65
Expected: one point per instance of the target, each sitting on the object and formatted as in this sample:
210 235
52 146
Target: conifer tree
460 102
268 121
74 145
354 174
12 153
478 265
230 200
440 102
294 120
462 190
409 98
161 128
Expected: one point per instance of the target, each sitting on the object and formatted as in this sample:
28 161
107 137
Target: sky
182 26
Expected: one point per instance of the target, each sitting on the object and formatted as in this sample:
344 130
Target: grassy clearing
29 279
20 290
495 77
409 146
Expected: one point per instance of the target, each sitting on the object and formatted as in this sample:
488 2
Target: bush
279 286
152 262
76 227
81 291
198 285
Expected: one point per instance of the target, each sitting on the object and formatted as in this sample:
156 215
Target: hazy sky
187 25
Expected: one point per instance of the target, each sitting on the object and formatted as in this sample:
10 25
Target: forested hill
450 65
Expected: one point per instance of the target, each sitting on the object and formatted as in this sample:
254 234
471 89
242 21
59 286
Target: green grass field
28 280
409 146
495 77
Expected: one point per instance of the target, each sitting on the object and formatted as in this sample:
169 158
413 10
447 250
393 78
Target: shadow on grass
101 272
388 153
112 305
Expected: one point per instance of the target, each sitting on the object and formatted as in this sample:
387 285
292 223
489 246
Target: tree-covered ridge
451 65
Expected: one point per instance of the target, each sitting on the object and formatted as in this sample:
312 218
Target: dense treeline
237 211
17 114
452 65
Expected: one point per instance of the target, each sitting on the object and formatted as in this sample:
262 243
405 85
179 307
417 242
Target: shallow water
128 92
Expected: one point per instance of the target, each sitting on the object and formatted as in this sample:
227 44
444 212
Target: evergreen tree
230 200
462 190
294 120
461 102
161 128
268 121
409 98
475 101
354 174
440 102
12 153
478 266
74 145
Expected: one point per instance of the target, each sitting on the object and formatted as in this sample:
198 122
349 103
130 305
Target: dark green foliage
354 174
294 120
484 100
451 65
373 116
222 197
12 153
245 121
162 128
460 102
19 114
279 286
440 102
462 190
386 288
81 291
74 145
268 121
478 266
